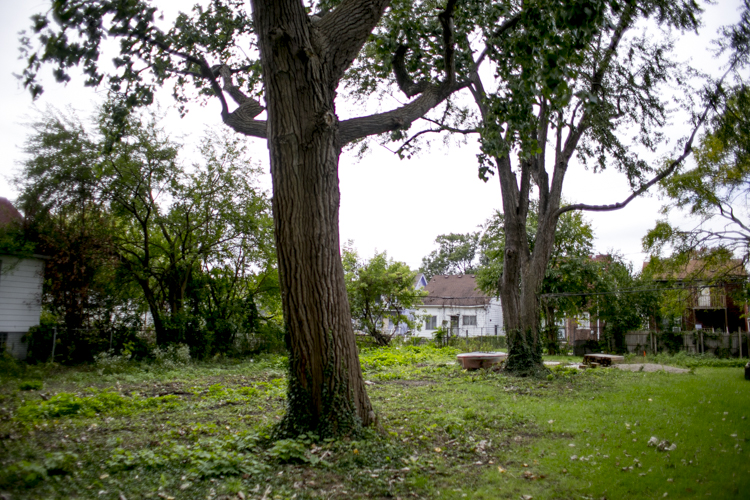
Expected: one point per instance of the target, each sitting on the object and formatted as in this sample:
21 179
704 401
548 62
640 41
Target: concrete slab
477 360
603 359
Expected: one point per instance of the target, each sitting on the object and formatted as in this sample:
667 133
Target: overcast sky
386 204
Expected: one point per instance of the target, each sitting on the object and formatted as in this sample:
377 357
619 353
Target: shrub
31 385
108 362
22 475
60 464
287 451
172 356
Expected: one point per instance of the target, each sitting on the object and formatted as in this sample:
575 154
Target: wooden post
739 342
54 343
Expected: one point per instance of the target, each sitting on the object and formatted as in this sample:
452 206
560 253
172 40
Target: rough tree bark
303 60
326 389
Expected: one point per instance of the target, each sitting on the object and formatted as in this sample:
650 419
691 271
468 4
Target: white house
455 302
20 290
20 300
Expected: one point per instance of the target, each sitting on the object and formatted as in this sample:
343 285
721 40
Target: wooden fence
720 343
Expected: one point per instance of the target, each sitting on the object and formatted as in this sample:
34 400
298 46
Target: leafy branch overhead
713 192
213 52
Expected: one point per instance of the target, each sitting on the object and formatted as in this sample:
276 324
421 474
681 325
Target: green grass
202 431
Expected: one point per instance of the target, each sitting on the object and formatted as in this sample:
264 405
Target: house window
583 320
470 321
704 300
430 323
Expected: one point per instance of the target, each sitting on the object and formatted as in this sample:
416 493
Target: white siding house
455 302
20 300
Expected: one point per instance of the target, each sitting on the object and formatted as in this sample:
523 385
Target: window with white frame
583 320
430 323
470 320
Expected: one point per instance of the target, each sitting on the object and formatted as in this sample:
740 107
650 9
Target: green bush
31 385
108 362
22 475
10 366
291 451
172 356
60 464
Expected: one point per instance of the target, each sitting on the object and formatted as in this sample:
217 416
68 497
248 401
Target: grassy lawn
201 430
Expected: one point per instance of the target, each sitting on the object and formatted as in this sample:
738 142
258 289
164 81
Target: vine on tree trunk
524 354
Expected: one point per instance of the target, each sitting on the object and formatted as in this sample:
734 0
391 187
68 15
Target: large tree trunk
327 394
524 270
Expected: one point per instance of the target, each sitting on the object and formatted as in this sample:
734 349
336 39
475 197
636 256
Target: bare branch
399 118
404 81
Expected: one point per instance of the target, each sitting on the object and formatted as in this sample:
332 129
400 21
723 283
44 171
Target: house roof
698 269
8 213
454 290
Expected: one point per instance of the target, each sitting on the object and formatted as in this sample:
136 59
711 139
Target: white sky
386 204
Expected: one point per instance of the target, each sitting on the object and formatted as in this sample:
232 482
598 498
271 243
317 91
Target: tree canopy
381 294
129 221
456 254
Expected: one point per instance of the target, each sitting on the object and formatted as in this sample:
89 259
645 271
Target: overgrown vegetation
201 429
142 248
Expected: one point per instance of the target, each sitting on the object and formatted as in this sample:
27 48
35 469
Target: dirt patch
651 367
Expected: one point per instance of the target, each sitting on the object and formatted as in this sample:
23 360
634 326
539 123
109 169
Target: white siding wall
20 293
496 315
487 318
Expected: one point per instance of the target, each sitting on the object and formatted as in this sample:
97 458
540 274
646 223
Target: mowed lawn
203 431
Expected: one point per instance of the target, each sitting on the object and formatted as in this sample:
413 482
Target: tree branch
665 173
241 122
404 81
431 95
507 25
345 31
399 118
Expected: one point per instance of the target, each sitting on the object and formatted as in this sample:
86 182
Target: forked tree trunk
327 394
523 269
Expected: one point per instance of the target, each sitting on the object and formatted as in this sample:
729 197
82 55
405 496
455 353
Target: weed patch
201 430
71 405
688 360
